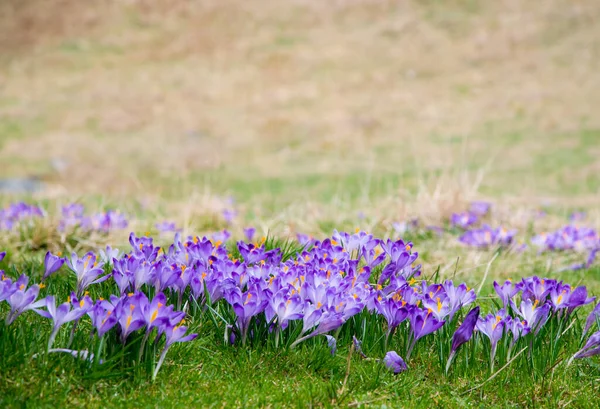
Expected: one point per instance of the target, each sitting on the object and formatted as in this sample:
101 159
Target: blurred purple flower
249 233
480 208
463 220
167 227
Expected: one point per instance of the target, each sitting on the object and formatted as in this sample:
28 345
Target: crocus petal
465 330
332 343
394 362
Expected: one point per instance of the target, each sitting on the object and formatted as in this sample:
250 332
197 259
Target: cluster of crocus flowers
527 307
17 213
568 238
488 237
125 314
73 216
313 293
471 217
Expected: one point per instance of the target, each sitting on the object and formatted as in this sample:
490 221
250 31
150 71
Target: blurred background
283 102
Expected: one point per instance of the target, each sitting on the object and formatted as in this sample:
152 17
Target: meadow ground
302 117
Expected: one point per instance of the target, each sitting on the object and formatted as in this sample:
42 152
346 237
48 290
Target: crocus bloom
23 299
328 321
422 323
63 314
591 348
517 328
493 327
463 333
52 264
246 305
535 316
87 270
506 291
107 256
130 315
562 296
6 287
155 313
394 362
286 306
393 310
458 296
103 315
591 319
2 255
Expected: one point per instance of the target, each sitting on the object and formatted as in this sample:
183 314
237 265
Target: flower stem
160 361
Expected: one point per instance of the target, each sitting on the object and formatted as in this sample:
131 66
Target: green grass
209 373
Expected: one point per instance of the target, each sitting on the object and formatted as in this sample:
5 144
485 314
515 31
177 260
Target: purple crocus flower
52 264
438 305
463 333
23 299
2 255
72 215
155 313
591 319
130 315
6 287
285 306
535 316
422 323
493 328
591 347
87 270
517 328
458 296
109 254
393 310
103 315
63 313
394 362
562 296
579 297
246 305
506 291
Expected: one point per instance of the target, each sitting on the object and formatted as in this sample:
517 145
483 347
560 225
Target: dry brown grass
127 91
